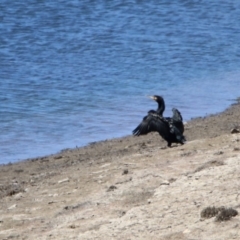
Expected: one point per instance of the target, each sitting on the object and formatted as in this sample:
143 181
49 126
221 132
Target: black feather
170 129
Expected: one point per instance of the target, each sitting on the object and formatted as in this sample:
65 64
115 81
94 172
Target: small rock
123 213
125 171
12 207
53 195
105 165
111 188
63 180
186 231
171 180
218 153
18 196
73 226
165 183
235 130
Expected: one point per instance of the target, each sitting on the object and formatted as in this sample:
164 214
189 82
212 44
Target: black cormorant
170 129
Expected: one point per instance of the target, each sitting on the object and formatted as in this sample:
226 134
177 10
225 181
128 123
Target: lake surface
73 72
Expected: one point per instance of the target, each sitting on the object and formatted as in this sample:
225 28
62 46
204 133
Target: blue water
74 72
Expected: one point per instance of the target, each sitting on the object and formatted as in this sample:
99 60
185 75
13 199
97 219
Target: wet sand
129 188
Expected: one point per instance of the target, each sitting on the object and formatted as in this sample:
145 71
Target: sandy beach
130 188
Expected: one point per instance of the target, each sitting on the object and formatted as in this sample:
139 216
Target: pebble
12 207
63 180
235 130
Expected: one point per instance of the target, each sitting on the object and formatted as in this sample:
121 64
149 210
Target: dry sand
129 188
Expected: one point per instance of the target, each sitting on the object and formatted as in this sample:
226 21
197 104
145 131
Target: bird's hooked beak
153 98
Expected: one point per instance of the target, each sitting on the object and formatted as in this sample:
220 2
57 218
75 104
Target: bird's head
161 104
157 98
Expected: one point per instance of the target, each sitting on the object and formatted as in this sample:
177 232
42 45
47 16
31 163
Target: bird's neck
161 108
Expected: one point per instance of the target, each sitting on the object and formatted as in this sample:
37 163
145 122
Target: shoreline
194 120
129 186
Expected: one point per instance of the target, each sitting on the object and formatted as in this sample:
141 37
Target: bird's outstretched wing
151 123
176 121
177 117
